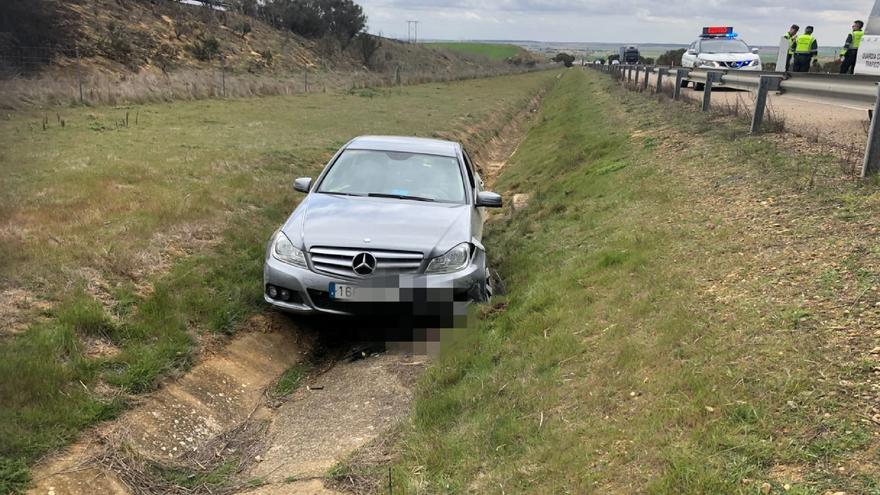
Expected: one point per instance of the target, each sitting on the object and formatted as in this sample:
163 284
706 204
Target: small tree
564 58
671 58
243 28
367 45
205 48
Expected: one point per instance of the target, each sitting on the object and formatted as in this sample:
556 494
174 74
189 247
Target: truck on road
629 54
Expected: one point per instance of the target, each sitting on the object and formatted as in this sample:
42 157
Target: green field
128 245
669 328
489 50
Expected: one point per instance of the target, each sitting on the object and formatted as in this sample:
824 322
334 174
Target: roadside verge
690 311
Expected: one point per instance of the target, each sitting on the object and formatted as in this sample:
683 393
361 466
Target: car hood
388 223
728 57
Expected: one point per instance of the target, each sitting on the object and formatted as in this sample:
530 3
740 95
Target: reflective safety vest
856 39
804 43
787 36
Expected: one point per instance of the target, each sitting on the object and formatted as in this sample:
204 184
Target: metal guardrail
835 89
856 91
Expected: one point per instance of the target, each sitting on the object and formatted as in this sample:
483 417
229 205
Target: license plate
343 291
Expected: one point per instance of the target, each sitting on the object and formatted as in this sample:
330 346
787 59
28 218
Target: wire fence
64 76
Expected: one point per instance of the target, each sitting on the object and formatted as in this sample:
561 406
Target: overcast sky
759 22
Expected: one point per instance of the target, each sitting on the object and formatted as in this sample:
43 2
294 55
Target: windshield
723 46
394 174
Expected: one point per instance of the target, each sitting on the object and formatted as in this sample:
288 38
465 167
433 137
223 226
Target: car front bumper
310 290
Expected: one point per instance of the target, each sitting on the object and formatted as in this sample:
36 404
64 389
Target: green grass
145 237
613 369
289 381
489 50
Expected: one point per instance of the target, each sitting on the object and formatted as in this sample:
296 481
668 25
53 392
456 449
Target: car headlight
707 63
284 250
454 260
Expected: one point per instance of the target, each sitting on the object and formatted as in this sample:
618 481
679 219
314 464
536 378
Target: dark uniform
850 51
806 48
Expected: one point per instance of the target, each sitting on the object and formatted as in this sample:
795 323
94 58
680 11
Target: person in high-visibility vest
850 51
791 35
806 48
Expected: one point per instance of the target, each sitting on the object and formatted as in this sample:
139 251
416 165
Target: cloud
610 20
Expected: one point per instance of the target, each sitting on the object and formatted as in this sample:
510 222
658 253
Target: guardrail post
659 87
629 73
711 77
766 84
648 70
679 77
872 153
637 69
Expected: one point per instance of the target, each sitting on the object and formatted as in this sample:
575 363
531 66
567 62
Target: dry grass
215 468
149 87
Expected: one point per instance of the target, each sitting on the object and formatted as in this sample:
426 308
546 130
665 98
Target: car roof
405 144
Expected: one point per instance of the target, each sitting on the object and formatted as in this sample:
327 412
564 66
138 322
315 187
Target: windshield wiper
399 196
336 193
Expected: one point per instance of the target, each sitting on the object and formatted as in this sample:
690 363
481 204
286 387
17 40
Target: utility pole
412 31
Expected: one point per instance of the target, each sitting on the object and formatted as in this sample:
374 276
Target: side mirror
489 199
756 50
692 52
303 184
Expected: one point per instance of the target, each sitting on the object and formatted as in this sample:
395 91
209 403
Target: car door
689 58
475 183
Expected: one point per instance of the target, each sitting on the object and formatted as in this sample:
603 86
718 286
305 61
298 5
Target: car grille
736 65
338 261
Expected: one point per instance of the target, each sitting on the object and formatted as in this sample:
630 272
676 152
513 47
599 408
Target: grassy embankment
489 50
690 310
123 247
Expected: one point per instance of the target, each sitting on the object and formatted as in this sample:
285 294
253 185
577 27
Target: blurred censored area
393 309
405 299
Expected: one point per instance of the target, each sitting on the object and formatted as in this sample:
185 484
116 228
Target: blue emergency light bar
718 32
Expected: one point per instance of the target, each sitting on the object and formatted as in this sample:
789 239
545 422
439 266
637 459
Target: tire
699 86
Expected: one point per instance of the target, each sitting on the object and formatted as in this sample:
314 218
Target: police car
719 48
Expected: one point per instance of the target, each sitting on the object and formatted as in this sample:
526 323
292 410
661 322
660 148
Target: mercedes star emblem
363 264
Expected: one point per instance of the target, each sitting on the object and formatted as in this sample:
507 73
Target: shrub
205 48
565 58
367 45
671 58
342 19
124 46
243 28
165 56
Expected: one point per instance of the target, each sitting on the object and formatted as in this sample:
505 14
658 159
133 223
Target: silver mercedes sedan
391 223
